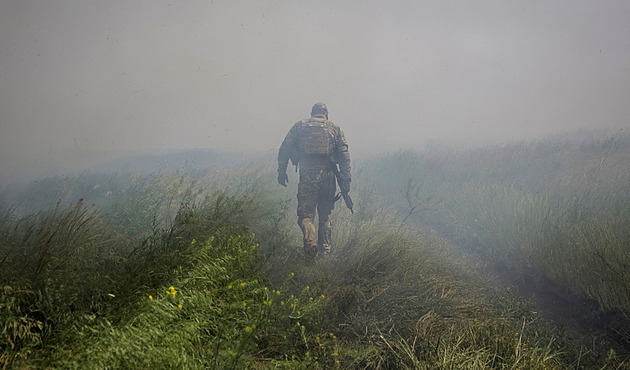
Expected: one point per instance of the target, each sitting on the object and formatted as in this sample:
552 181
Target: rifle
343 189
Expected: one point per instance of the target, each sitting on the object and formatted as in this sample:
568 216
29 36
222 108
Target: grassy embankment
205 272
554 214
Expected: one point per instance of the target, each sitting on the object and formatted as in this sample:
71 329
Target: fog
93 78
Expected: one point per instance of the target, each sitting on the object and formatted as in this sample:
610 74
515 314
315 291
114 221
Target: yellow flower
308 287
242 284
151 297
278 292
292 274
248 329
229 287
179 306
282 303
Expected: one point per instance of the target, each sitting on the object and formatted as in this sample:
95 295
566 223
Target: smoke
81 75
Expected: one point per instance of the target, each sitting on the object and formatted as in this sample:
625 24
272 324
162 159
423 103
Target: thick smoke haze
120 75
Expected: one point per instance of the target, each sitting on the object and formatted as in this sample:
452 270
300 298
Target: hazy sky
132 74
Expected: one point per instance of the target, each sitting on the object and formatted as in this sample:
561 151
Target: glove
283 178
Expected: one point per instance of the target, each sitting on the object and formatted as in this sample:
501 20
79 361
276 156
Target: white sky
132 74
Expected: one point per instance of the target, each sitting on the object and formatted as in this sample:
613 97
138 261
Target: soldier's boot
323 251
310 239
310 253
324 237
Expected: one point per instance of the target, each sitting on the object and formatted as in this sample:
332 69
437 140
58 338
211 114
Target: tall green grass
206 272
64 264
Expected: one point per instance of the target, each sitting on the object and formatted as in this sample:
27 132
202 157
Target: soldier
318 145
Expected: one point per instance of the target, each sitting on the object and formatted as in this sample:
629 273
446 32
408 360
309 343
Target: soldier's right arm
343 158
287 149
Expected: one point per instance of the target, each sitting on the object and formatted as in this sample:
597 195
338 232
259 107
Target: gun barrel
348 201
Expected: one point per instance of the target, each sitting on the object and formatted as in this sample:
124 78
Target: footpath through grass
551 216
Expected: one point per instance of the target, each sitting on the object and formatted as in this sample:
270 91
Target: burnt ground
562 307
575 316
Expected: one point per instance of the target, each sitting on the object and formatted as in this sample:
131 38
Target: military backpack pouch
314 139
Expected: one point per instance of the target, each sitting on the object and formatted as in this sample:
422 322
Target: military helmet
319 108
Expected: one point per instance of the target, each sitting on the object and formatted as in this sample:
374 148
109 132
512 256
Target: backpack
315 137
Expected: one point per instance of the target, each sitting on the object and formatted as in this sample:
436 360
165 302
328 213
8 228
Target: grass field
204 270
555 210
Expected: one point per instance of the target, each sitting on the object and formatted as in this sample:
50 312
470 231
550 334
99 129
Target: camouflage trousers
316 193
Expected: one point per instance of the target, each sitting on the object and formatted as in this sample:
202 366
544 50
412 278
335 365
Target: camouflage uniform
318 145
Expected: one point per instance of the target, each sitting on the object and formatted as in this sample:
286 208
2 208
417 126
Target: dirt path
560 306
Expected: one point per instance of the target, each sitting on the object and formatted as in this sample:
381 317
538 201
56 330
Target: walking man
319 146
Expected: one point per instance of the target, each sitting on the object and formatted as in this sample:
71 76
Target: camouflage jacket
301 139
